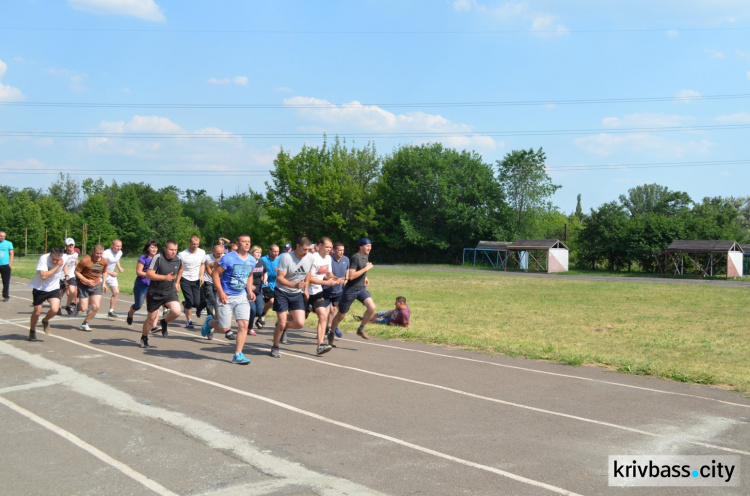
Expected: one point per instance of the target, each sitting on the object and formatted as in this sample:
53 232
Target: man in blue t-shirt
6 264
272 262
234 291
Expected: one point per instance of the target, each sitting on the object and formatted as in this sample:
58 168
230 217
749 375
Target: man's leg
113 300
95 301
369 314
5 273
242 326
280 326
322 313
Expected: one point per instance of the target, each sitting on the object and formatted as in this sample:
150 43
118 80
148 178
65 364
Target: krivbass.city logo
685 471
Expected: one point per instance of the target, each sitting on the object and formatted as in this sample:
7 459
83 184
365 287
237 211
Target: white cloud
687 96
76 79
8 93
240 80
673 33
142 9
715 54
378 120
283 89
604 144
739 118
541 23
646 119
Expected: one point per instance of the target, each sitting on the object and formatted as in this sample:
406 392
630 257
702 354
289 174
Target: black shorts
283 301
40 297
318 300
86 291
350 294
72 281
267 294
191 290
155 303
334 298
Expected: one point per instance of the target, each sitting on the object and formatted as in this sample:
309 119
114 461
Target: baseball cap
287 246
69 241
364 241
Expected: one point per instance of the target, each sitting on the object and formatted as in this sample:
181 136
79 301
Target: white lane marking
525 369
255 488
49 381
137 476
337 423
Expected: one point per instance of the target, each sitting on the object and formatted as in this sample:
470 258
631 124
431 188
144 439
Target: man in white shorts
69 283
231 277
112 255
46 287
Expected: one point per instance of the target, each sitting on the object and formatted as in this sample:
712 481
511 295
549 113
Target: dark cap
287 246
364 241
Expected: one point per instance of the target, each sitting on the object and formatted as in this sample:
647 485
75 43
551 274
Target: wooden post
84 235
25 241
45 240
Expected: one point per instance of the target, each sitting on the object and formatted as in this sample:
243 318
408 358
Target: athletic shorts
334 298
112 282
154 303
267 294
86 291
283 301
350 294
191 291
40 297
72 281
238 304
318 300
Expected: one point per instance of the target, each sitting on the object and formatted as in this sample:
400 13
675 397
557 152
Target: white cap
69 241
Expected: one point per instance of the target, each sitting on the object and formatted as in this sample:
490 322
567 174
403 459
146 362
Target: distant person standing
165 272
112 255
89 272
356 288
192 276
46 287
6 264
70 260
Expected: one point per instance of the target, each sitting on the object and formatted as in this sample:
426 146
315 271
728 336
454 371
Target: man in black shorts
356 288
45 286
164 272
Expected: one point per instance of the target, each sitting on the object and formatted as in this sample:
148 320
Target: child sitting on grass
399 316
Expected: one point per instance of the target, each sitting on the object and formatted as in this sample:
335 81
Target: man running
113 255
164 272
6 264
272 262
340 268
89 272
234 287
289 295
70 260
208 290
356 288
320 276
192 275
45 286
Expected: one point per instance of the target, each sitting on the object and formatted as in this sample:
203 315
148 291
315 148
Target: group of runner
234 279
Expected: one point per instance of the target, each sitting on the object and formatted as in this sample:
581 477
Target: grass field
689 333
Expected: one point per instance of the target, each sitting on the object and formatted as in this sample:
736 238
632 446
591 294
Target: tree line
420 203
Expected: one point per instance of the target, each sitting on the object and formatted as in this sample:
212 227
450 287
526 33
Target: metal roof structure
703 246
492 245
536 244
702 258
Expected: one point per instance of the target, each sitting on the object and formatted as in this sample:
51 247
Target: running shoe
241 359
85 326
338 332
59 311
361 333
357 318
45 326
69 309
144 341
76 310
323 348
329 336
206 328
129 319
231 335
275 352
154 330
284 340
112 314
260 322
251 332
189 325
164 331
198 312
32 335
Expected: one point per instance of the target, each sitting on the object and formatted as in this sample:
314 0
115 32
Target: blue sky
203 94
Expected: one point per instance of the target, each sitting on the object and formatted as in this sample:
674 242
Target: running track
92 413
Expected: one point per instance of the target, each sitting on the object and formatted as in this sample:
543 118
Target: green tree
653 198
579 209
25 216
714 218
433 202
128 220
67 192
326 191
604 237
167 220
95 214
527 186
55 219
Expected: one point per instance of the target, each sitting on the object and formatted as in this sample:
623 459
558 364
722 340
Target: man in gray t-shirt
356 288
289 293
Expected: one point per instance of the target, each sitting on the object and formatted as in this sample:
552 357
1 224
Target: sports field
690 333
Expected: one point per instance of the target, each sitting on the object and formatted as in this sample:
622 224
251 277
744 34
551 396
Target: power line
502 103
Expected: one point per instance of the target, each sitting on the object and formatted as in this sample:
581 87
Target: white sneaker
85 327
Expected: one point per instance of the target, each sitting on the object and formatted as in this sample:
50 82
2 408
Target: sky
203 95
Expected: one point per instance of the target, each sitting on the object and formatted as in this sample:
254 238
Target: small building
703 258
539 255
494 253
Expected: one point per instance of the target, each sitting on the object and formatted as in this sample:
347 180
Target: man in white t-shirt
45 286
193 260
69 284
112 255
321 276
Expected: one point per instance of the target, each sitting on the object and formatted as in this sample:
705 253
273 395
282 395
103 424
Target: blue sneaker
206 327
339 334
241 359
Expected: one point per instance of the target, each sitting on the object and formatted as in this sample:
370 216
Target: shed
544 255
704 258
494 253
